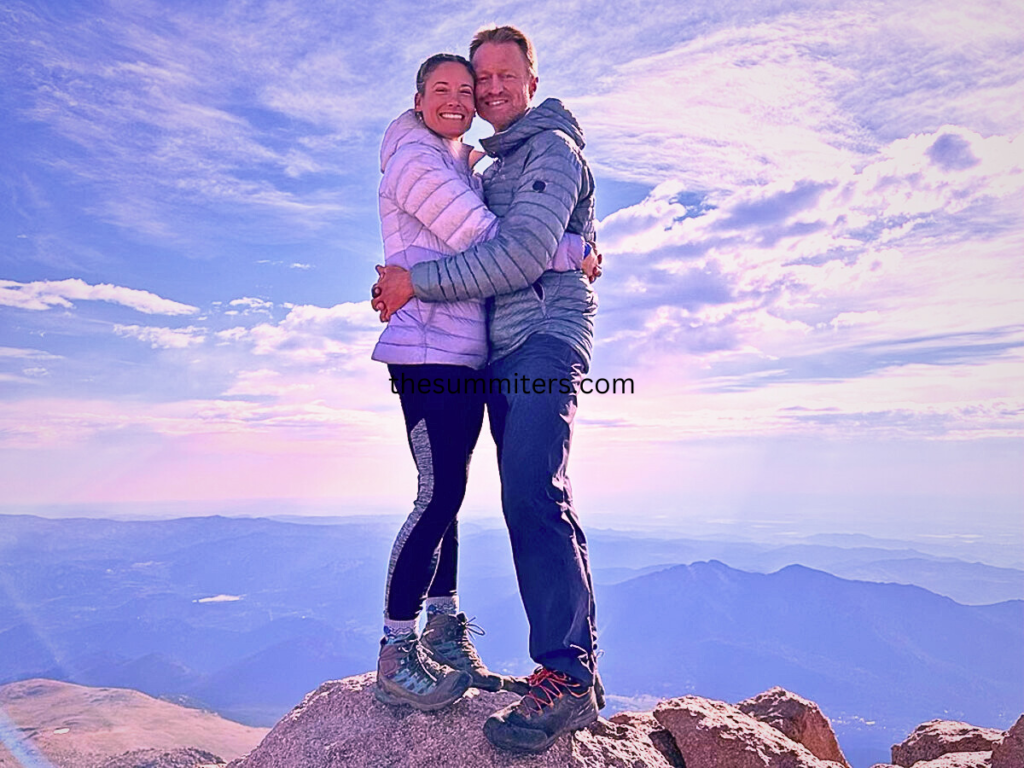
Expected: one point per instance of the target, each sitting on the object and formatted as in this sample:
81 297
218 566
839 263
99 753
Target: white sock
447 605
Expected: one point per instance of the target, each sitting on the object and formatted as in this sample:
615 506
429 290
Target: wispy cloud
310 334
164 338
803 92
828 263
156 117
831 249
47 294
25 354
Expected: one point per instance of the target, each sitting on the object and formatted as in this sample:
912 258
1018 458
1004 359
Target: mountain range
245 616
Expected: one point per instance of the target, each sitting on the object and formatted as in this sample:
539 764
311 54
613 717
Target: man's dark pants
533 433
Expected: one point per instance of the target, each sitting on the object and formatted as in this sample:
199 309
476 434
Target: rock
341 725
1009 752
155 758
958 760
713 734
799 719
936 738
659 736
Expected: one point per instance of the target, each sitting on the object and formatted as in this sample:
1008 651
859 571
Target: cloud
265 382
164 338
836 275
831 246
798 93
738 106
47 294
311 334
219 599
252 305
27 364
26 354
160 117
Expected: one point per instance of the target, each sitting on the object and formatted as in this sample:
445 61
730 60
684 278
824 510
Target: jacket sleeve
439 197
542 200
569 254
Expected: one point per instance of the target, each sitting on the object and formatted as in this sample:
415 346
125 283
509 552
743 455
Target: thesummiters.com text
515 385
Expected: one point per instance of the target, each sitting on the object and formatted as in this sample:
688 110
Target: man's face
504 85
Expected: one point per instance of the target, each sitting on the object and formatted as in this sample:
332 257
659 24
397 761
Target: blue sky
811 215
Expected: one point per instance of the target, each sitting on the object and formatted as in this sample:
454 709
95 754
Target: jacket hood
408 129
550 115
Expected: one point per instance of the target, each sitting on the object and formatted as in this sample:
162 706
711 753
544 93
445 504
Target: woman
431 206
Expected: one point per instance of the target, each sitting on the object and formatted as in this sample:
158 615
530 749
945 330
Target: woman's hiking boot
555 704
446 639
406 675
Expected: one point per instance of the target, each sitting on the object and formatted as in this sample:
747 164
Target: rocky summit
952 744
799 719
341 725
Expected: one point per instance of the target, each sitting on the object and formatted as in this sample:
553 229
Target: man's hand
391 292
592 264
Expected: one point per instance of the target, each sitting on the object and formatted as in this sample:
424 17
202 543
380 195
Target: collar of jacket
407 128
550 115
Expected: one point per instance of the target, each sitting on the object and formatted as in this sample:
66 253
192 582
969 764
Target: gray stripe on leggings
420 441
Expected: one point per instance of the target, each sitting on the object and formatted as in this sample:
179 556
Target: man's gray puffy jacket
540 186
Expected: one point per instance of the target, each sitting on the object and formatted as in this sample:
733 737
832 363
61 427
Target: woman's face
447 102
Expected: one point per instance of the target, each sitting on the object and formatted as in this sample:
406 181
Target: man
541 331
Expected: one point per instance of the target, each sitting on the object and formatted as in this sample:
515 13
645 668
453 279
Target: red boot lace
547 686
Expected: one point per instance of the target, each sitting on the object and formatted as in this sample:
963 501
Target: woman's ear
417 105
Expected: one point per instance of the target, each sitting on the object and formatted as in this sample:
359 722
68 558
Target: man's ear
533 84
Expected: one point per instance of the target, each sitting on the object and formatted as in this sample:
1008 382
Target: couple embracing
487 281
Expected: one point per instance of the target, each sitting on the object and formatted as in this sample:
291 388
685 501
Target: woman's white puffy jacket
431 206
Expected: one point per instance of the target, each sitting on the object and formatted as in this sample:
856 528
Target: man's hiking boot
406 675
521 685
446 639
556 704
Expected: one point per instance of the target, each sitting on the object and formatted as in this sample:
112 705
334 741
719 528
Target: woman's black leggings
443 423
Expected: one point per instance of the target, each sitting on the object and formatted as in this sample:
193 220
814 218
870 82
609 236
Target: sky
810 212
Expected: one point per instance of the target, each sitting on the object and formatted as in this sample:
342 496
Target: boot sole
417 703
494 736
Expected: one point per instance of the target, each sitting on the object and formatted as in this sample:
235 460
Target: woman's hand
391 292
592 263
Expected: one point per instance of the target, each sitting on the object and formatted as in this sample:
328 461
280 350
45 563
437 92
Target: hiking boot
406 675
556 704
521 685
446 639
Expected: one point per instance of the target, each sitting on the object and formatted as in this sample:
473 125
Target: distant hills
75 725
245 616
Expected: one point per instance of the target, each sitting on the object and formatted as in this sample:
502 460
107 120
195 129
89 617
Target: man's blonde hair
505 34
